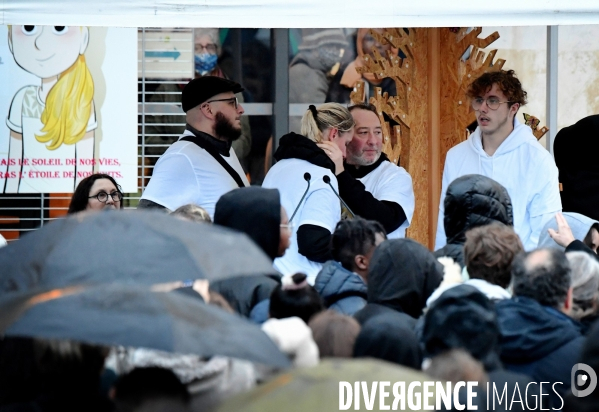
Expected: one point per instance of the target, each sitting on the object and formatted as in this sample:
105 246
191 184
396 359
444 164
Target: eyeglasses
210 47
288 226
232 100
492 103
103 196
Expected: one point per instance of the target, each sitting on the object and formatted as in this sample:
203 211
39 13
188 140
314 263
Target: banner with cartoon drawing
68 107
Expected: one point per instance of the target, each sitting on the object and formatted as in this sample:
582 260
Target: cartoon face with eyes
47 51
56 117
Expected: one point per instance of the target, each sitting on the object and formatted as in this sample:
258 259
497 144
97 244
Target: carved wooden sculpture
462 61
534 122
406 141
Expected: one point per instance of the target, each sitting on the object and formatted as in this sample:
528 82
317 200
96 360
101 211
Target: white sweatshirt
524 167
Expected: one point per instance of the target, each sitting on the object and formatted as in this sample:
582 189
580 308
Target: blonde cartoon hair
316 121
68 106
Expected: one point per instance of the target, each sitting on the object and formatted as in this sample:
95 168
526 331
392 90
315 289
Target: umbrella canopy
135 316
317 389
127 247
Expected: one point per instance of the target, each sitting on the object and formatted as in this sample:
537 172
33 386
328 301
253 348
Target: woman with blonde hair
55 119
303 162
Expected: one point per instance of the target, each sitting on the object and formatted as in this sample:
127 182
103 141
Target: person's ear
206 110
333 133
84 40
361 262
514 108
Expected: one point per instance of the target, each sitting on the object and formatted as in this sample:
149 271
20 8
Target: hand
563 236
334 153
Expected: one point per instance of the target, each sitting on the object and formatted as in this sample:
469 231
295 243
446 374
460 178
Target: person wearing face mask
207 49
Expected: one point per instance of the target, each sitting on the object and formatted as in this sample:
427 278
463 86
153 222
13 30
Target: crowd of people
509 296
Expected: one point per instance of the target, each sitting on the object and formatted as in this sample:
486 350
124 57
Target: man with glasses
505 150
201 166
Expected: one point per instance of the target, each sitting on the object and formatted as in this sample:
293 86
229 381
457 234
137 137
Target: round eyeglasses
103 196
492 103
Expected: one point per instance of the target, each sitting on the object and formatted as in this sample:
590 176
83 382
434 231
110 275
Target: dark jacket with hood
401 277
472 201
256 212
464 318
389 336
538 341
340 289
576 149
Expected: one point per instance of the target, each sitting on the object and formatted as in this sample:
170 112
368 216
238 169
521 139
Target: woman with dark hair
96 192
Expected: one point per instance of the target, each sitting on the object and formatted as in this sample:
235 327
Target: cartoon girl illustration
52 124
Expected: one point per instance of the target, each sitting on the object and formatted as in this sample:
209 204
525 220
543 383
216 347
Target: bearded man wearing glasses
505 150
201 166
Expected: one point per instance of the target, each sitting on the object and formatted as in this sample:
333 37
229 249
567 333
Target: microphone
307 178
327 180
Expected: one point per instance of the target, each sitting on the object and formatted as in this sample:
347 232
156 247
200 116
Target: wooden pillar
434 132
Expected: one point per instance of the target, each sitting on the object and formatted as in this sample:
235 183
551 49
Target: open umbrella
318 389
135 316
127 247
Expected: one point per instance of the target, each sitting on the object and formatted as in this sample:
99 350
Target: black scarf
223 147
359 172
296 146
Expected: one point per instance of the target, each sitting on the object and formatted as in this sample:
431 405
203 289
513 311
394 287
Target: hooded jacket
538 341
389 336
317 213
576 149
580 225
522 166
471 201
340 289
462 317
401 277
256 212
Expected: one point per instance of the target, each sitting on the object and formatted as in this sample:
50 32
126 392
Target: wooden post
434 133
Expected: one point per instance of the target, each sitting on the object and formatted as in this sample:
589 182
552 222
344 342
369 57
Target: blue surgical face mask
205 62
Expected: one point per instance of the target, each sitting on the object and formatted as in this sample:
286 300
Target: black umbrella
135 316
127 247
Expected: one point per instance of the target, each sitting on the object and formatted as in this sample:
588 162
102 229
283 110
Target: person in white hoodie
505 150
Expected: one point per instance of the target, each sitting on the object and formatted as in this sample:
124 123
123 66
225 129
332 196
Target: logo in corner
581 375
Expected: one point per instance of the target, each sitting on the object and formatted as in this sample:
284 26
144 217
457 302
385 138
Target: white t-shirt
186 174
392 183
24 118
320 208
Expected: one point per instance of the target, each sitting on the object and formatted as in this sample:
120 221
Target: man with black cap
201 166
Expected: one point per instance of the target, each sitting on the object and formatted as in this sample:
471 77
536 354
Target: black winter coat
472 201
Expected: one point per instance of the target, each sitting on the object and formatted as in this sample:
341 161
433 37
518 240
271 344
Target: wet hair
547 282
295 297
80 197
585 284
193 213
147 385
354 237
334 333
489 251
363 106
317 120
506 81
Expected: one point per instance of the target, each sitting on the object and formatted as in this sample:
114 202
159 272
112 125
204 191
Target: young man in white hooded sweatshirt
505 150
